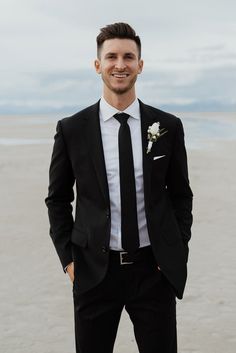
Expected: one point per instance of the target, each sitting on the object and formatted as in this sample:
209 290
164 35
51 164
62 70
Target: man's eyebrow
114 53
110 53
130 53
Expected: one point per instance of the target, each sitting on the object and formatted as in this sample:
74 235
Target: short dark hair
117 30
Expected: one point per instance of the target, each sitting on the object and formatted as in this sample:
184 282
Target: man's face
119 65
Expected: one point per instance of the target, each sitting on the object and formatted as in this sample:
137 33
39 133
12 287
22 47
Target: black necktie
129 221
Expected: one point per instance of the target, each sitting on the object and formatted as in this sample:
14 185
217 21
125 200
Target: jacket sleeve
178 186
60 197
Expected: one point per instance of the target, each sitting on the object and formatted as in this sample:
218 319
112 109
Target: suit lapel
96 149
147 119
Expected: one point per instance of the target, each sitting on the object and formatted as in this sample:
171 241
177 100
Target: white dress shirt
109 130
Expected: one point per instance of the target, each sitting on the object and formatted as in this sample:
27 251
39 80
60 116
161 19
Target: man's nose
120 64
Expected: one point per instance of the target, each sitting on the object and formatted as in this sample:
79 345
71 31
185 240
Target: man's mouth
120 75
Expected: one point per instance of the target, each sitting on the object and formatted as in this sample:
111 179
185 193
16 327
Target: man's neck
121 101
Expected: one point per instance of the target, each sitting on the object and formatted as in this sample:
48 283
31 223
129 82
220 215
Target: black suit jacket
78 158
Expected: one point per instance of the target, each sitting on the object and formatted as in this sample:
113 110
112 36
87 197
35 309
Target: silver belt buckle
122 262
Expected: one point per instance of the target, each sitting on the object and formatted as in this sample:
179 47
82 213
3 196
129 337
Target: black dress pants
147 297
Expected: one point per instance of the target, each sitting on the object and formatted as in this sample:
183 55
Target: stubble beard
120 91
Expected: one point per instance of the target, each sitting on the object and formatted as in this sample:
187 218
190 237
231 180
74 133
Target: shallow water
201 129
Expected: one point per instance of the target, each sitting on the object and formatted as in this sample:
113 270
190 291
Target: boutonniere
154 133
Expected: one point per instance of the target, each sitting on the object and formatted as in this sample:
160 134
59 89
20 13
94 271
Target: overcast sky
47 49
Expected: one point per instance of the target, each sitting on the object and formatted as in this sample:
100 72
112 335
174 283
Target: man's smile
117 75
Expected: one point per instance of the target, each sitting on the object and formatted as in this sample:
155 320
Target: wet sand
36 296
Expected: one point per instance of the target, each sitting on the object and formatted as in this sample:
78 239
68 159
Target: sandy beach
36 305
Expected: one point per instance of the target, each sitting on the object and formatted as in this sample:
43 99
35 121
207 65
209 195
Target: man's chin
120 90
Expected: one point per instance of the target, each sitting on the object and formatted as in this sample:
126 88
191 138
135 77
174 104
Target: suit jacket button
104 249
108 214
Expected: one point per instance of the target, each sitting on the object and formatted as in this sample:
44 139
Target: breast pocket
158 157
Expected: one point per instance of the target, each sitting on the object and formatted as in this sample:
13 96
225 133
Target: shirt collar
107 111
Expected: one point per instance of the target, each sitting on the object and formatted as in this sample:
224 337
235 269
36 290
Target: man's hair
117 30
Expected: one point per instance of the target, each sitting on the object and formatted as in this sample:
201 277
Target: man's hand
70 271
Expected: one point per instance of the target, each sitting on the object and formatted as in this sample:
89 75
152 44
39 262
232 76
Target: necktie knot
122 117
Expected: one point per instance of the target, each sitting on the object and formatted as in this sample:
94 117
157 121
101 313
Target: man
128 243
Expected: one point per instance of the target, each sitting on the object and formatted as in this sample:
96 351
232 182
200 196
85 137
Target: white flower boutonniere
154 133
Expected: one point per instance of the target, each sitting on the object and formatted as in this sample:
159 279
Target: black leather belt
125 258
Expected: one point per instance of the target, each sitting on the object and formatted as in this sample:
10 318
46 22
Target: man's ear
140 66
97 66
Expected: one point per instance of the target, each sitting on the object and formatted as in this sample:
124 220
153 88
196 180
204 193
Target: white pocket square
157 157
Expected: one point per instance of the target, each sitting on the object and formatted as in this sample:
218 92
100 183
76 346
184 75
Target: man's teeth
120 75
